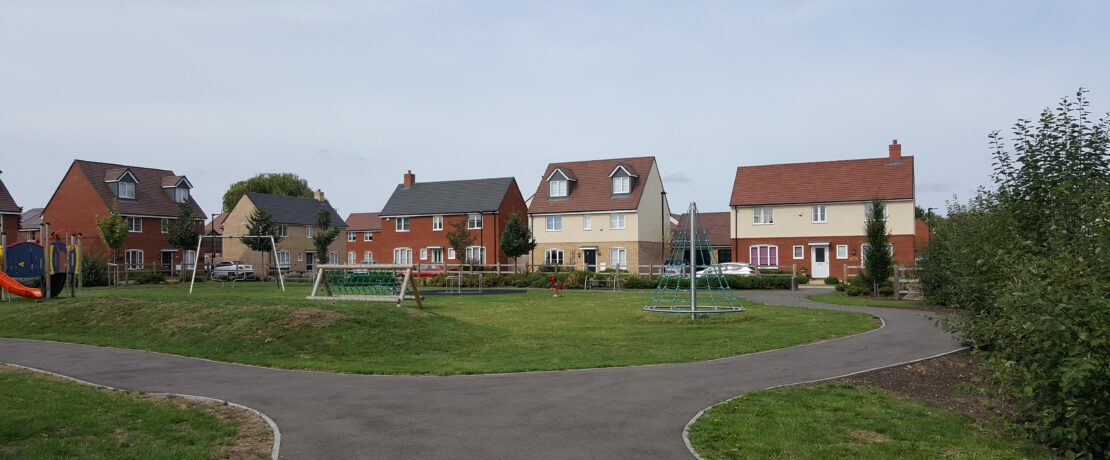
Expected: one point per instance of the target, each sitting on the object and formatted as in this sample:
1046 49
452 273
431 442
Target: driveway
631 412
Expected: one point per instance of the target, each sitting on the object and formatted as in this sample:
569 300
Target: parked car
231 269
731 268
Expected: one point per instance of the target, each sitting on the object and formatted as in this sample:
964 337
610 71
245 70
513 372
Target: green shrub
803 279
94 270
841 287
857 291
832 280
148 277
886 291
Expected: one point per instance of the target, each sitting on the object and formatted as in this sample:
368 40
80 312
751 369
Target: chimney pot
410 179
318 195
895 151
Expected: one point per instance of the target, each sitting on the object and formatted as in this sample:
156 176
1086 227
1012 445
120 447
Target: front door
820 267
589 257
437 255
309 261
167 260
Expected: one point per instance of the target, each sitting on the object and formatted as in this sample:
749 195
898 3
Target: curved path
632 412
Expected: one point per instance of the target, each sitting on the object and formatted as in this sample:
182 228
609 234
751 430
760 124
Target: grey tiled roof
294 210
448 197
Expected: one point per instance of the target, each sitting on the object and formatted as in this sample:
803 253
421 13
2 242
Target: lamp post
663 229
212 256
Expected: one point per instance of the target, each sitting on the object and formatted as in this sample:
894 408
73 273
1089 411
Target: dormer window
181 195
127 190
558 182
557 188
622 185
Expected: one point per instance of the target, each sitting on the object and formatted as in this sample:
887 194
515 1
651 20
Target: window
474 221
437 255
283 259
333 257
819 216
135 224
300 257
133 258
367 256
867 207
587 222
621 185
283 230
764 255
351 237
402 224
351 257
367 236
451 253
557 188
127 190
165 225
437 223
863 251
181 195
189 260
402 256
616 221
308 231
842 251
476 255
423 253
553 257
554 223
618 258
799 251
763 215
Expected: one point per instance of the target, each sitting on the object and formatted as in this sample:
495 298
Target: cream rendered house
295 219
600 214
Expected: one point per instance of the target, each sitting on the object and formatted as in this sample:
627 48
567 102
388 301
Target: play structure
678 290
273 252
368 283
53 267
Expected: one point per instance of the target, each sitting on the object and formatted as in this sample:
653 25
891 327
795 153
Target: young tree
459 239
113 229
517 240
324 235
183 234
287 184
877 260
260 223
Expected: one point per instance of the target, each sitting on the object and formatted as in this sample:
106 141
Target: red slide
14 287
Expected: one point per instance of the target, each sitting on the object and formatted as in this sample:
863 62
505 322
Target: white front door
820 268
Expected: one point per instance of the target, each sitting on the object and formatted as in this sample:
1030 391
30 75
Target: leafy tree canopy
287 184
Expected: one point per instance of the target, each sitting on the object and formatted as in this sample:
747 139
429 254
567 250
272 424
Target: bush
841 287
857 291
886 291
148 277
832 280
94 270
803 279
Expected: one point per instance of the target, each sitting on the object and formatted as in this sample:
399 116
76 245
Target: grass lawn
258 324
42 417
842 421
840 298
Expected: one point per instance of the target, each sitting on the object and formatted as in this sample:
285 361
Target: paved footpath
632 412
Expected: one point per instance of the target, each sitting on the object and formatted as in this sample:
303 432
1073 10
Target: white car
232 269
733 268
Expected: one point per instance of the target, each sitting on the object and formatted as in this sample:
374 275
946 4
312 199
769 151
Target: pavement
613 413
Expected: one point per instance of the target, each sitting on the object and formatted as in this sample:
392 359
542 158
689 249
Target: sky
350 95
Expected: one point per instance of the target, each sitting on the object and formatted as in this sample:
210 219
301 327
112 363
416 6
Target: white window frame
300 256
352 237
799 252
283 230
130 188
351 258
308 231
367 236
423 253
283 259
553 257
367 255
842 251
753 255
401 224
618 258
181 195
622 185
587 222
188 259
554 223
130 261
474 221
557 188
131 224
432 255
165 225
437 223
402 256
819 213
333 257
763 215
451 254
617 221
481 254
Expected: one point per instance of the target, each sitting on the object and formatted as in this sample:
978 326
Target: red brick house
30 225
10 214
716 226
362 228
418 216
811 215
147 198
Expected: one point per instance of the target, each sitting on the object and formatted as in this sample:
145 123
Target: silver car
731 268
232 269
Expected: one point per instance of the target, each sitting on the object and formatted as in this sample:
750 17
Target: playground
52 270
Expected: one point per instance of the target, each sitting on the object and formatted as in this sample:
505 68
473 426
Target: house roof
7 203
824 182
364 221
294 210
716 224
593 189
150 198
31 219
218 222
448 197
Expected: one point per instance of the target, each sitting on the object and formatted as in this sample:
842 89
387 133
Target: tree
260 223
323 235
877 260
517 240
287 184
459 239
113 229
183 233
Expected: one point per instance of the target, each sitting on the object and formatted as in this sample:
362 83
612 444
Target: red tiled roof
364 221
7 203
150 198
592 191
823 182
716 225
218 222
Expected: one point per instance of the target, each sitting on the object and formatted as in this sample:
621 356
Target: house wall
599 232
421 235
844 219
653 209
360 246
73 210
637 253
904 253
10 224
298 244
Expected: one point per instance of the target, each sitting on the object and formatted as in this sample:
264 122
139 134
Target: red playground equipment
556 286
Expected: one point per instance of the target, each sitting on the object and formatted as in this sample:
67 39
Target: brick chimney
318 195
410 179
895 151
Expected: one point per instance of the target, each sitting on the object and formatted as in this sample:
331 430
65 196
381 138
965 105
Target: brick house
418 216
30 225
362 227
212 249
717 227
10 214
147 198
812 214
600 214
296 221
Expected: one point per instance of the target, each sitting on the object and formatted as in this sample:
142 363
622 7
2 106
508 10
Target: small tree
113 229
517 240
183 234
324 235
459 239
877 261
260 223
